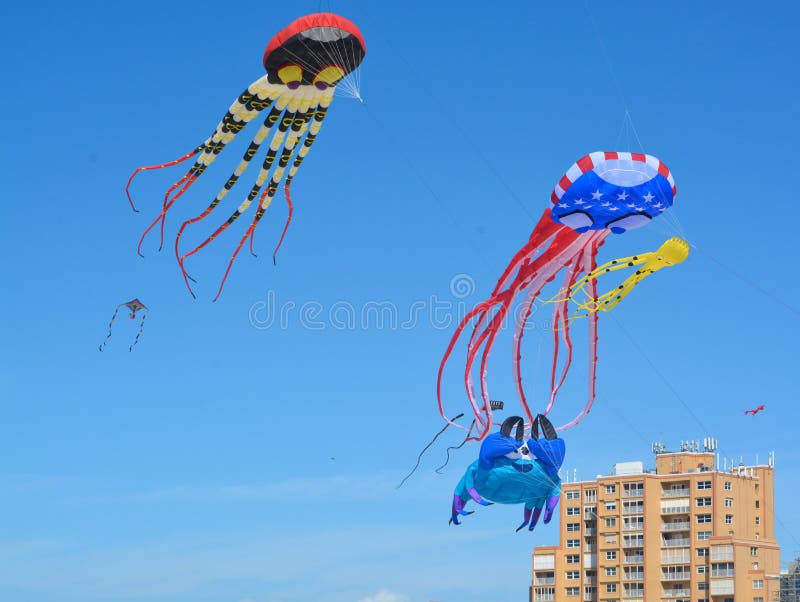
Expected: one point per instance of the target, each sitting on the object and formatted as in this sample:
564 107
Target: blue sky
235 458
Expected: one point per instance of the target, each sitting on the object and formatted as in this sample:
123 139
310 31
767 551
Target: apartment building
685 531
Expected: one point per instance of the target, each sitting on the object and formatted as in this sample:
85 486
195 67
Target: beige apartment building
686 531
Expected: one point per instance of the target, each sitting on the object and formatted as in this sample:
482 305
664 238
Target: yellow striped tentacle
672 252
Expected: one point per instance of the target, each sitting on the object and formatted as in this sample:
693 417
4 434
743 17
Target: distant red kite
754 411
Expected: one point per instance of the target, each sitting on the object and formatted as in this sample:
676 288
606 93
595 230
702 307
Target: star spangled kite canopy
614 191
304 62
603 192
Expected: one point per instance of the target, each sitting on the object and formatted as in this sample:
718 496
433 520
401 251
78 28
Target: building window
703 501
611 555
611 588
611 522
573 574
729 519
702 586
703 535
572 494
753 551
573 591
590 495
727 485
704 484
755 566
701 570
573 527
758 599
610 506
610 539
758 584
573 511
702 552
758 503
573 543
611 571
758 520
729 502
611 489
573 558
703 518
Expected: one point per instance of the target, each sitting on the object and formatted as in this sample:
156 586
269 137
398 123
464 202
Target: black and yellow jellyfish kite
304 62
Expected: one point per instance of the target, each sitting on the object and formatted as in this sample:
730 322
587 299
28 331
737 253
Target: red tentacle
288 220
249 232
187 180
160 166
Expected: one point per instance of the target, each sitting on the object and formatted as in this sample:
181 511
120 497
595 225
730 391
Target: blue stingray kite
510 471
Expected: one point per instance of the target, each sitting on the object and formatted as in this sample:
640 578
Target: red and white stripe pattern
592 160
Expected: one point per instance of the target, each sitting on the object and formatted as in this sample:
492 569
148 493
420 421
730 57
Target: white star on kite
596 195
563 205
622 196
649 197
613 208
606 204
579 201
631 205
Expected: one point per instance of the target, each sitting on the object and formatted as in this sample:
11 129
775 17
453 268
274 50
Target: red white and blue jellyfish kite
304 64
602 193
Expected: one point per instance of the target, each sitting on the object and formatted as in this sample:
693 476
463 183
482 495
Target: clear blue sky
198 468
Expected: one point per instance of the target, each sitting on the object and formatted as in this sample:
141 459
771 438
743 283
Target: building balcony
633 493
633 577
683 576
676 558
677 593
590 580
676 510
590 548
670 493
544 581
538 597
722 573
681 526
590 531
675 543
633 510
634 559
633 595
633 527
589 597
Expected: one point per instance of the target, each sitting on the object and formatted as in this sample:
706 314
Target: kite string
680 399
424 449
748 281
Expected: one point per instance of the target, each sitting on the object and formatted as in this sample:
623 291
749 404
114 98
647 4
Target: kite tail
139 333
188 155
110 326
454 447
